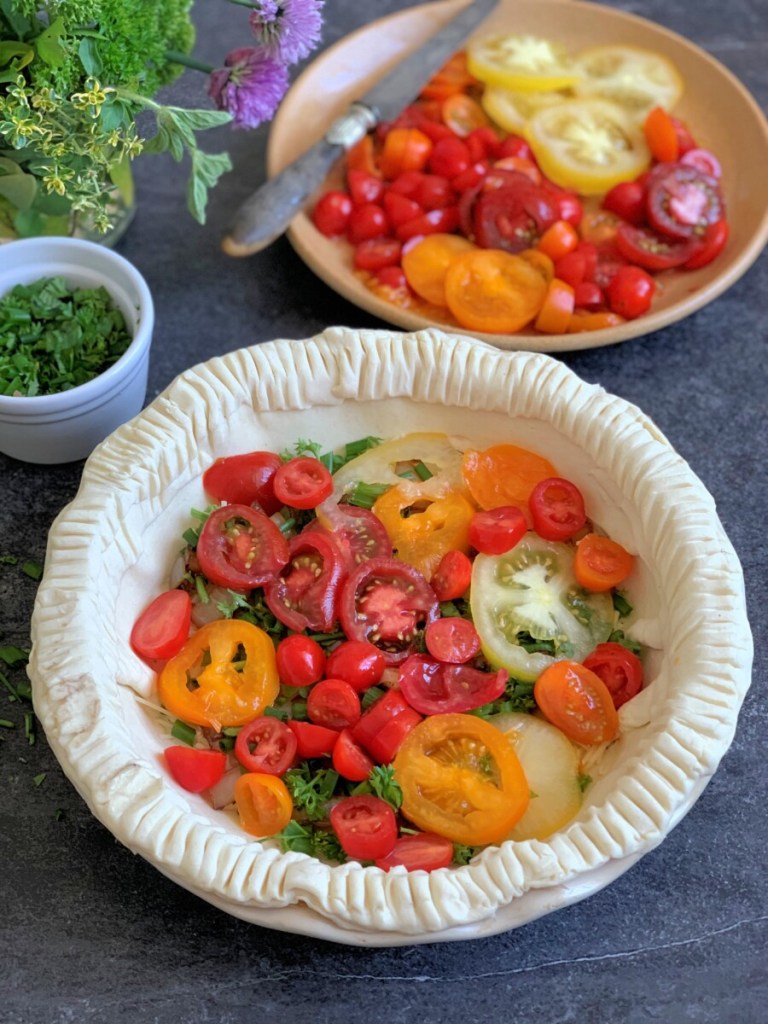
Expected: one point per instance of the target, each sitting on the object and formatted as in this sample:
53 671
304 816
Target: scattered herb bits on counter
400 661
54 337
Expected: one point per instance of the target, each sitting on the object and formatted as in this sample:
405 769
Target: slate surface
91 933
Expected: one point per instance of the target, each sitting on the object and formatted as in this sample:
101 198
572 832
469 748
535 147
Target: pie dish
723 115
113 547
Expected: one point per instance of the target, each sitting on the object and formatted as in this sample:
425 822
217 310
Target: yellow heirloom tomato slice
588 145
461 779
494 291
635 79
522 62
511 109
224 675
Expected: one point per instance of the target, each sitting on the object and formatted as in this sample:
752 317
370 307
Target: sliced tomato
494 291
263 803
241 548
405 149
358 532
426 264
522 62
661 135
710 245
265 745
557 509
633 78
300 660
424 851
630 292
451 79
496 530
244 480
385 725
601 563
511 212
683 201
434 687
703 160
463 115
452 576
195 770
377 253
313 740
162 628
365 826
331 213
432 223
304 595
302 482
650 251
620 669
504 474
358 663
557 309
560 238
334 704
453 640
364 187
387 602
627 200
349 758
577 701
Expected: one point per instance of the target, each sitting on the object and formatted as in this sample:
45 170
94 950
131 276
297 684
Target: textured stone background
91 933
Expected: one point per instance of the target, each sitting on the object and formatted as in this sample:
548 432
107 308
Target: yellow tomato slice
588 145
461 779
494 291
635 79
525 63
511 110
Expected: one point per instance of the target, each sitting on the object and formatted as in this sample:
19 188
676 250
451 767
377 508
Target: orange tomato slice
661 135
263 803
405 149
461 779
601 563
555 315
463 115
493 291
578 702
585 321
426 264
361 157
453 78
559 239
504 475
540 261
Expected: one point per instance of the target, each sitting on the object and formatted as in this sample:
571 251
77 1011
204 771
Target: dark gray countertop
91 933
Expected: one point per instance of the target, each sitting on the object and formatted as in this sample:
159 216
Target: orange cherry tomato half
661 136
405 149
461 779
558 240
599 226
521 164
504 475
578 702
583 320
601 563
557 310
494 291
263 803
463 115
540 261
451 79
426 264
224 675
361 157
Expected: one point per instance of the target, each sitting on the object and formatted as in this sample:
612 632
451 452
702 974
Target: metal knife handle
266 214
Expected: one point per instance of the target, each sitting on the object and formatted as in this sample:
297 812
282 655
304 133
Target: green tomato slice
532 590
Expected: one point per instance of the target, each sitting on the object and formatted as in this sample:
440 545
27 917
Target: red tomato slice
400 209
436 688
496 530
703 161
161 629
386 602
557 509
359 533
241 548
313 740
512 216
710 245
384 746
682 200
331 213
601 563
620 669
377 253
358 663
244 480
349 758
303 482
452 640
449 157
392 704
650 251
364 187
334 704
365 826
300 660
627 200
452 576
304 595
195 770
424 851
265 745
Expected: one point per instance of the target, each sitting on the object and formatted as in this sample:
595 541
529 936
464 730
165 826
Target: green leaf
19 189
16 53
207 168
32 223
13 656
192 121
90 57
121 176
20 25
48 44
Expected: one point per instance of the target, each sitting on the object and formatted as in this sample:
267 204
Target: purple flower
249 86
288 29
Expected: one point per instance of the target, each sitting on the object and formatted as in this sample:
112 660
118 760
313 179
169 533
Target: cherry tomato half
557 509
263 803
241 548
627 200
601 563
496 530
424 851
620 669
300 660
358 663
265 745
162 628
433 687
304 594
303 482
682 200
334 704
452 640
577 701
349 758
365 826
384 726
313 740
649 250
195 770
709 246
244 480
452 576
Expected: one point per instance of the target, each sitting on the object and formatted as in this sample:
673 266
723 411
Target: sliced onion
223 793
377 465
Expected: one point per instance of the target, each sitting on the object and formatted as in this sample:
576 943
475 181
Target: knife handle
266 214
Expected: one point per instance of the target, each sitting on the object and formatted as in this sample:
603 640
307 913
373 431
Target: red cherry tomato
266 745
367 221
400 209
511 212
392 278
588 295
162 628
626 200
471 178
567 206
434 222
241 548
709 246
484 144
578 266
195 770
619 669
682 200
385 602
300 660
358 663
452 576
685 141
349 758
385 725
452 640
434 192
334 704
313 740
405 149
377 253
630 292
364 187
365 826
515 145
610 260
407 184
425 851
496 530
303 596
450 157
435 688
650 251
331 213
557 509
303 482
244 480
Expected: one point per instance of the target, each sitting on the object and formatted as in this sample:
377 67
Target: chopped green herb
230 606
422 472
534 646
371 695
621 605
311 790
29 727
583 780
8 560
13 693
24 690
282 712
33 570
328 846
458 607
183 732
382 783
364 495
202 593
355 448
463 854
190 537
5 724
60 813
296 838
619 637
39 779
54 337
13 656
518 696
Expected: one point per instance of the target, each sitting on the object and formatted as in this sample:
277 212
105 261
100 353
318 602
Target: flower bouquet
74 76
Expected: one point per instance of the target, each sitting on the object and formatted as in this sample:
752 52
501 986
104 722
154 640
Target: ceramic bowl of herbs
76 324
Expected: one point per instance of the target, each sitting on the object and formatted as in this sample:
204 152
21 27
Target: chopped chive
8 560
364 495
39 779
13 655
422 471
202 593
621 605
227 744
371 695
183 732
299 710
5 724
190 537
12 691
355 448
24 690
448 610
287 525
232 730
202 516
281 713
33 570
29 727
60 813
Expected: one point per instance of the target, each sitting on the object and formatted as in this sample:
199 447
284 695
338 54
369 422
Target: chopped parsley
382 783
311 789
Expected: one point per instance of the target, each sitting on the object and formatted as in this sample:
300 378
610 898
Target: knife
266 214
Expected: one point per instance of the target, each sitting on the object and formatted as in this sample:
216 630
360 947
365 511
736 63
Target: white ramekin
68 425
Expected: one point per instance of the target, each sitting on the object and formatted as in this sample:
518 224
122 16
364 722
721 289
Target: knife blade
266 214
